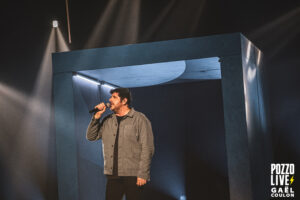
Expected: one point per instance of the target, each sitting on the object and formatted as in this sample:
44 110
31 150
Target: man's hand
140 182
101 107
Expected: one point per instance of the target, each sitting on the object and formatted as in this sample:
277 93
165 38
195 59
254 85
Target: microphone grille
107 105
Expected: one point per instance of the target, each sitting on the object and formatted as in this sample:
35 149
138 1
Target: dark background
190 143
273 26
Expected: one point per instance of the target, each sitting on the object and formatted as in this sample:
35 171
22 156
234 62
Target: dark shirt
115 165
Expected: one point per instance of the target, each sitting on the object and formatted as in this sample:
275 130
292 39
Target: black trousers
116 187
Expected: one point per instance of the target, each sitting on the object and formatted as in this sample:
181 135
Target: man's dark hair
123 93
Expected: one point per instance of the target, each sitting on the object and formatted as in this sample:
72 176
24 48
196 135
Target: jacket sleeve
94 130
147 141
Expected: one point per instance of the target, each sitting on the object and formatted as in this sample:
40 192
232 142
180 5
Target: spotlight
54 23
182 197
87 79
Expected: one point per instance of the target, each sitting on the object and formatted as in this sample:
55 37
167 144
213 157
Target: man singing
127 143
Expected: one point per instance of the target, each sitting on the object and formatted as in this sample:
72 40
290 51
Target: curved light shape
202 69
139 75
251 73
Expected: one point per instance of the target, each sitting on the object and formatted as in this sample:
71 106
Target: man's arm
93 131
146 139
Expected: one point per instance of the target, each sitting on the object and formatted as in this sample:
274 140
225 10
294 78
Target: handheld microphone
107 105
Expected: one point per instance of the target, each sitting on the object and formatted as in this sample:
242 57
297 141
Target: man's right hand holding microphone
101 107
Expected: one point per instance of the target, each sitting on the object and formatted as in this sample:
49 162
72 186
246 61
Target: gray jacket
136 146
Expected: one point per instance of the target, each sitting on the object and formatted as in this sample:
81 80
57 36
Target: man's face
115 102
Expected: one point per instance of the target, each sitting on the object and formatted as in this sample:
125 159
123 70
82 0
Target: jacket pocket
130 133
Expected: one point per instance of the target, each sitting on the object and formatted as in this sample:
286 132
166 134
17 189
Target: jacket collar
129 114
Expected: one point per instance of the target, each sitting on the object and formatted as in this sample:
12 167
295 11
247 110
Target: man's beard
115 108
